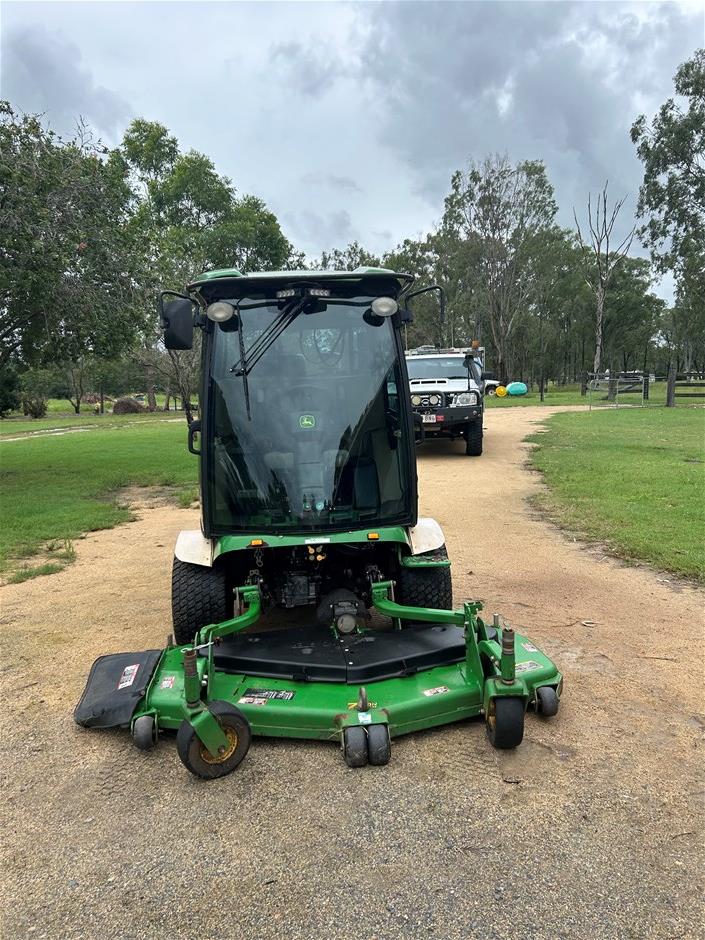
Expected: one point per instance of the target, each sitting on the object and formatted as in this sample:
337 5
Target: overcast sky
348 119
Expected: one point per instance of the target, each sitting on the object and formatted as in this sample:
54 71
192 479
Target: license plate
428 419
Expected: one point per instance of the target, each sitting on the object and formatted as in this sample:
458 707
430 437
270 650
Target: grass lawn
633 479
54 488
570 395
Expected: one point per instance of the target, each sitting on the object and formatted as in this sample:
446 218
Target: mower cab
309 524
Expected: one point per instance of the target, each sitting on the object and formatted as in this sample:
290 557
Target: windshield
438 367
322 445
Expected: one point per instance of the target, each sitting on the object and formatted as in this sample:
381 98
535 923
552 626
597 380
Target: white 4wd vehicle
446 391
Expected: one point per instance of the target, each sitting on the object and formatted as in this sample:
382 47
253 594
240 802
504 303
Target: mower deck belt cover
315 654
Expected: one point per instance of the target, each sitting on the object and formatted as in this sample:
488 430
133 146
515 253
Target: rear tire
473 438
199 596
426 587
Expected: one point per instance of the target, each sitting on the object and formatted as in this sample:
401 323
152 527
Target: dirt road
590 830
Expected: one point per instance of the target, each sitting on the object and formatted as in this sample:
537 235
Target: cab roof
403 281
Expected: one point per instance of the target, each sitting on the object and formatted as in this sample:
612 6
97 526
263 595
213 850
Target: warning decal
128 676
167 682
529 664
284 695
529 647
439 690
252 700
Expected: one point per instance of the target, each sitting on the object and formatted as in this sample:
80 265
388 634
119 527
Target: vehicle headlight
434 399
465 398
415 399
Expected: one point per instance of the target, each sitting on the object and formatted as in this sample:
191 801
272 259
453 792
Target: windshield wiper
249 359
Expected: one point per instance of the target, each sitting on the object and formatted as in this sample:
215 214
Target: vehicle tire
505 721
473 438
379 745
196 757
355 746
426 587
144 732
199 596
547 701
491 390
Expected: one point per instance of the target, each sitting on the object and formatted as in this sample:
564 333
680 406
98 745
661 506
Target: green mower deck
215 712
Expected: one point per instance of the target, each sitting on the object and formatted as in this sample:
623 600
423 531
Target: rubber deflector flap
115 685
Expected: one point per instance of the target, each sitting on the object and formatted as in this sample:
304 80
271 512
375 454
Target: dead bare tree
599 259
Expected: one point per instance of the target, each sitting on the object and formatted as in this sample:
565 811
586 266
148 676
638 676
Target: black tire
492 390
547 701
355 746
426 587
505 721
379 745
144 732
199 596
196 758
473 438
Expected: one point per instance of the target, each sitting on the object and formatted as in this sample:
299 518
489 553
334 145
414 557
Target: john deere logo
307 421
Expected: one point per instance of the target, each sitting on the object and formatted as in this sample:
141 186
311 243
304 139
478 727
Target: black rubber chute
115 685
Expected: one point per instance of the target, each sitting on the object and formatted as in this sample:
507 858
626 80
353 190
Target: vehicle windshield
438 367
322 446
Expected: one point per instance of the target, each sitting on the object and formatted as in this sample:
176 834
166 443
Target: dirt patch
591 829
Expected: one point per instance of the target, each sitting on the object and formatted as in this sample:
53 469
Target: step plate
314 654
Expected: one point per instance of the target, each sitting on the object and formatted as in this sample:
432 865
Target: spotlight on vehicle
384 306
220 311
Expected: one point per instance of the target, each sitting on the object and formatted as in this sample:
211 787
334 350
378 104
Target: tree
599 260
346 259
67 270
672 149
498 210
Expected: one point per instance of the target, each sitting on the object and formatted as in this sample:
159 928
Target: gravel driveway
592 829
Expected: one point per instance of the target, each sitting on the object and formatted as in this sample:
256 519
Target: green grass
633 479
570 395
25 573
57 488
18 426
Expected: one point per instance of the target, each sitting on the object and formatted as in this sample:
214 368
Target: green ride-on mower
306 443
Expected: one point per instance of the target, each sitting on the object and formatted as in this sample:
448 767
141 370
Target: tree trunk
671 385
149 382
599 316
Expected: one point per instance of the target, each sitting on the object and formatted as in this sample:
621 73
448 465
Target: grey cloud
566 74
305 68
43 73
344 184
314 229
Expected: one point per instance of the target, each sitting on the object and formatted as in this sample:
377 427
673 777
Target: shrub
128 406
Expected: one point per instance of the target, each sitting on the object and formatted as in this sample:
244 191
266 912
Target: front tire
505 721
473 438
196 757
426 587
199 596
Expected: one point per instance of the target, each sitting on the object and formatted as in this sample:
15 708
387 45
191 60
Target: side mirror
176 313
419 430
425 290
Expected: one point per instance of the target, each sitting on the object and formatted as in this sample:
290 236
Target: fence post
645 393
671 386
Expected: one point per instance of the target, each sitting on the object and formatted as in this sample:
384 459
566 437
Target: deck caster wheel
355 747
505 721
547 701
195 755
144 732
379 745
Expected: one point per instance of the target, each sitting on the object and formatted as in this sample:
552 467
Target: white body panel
195 549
